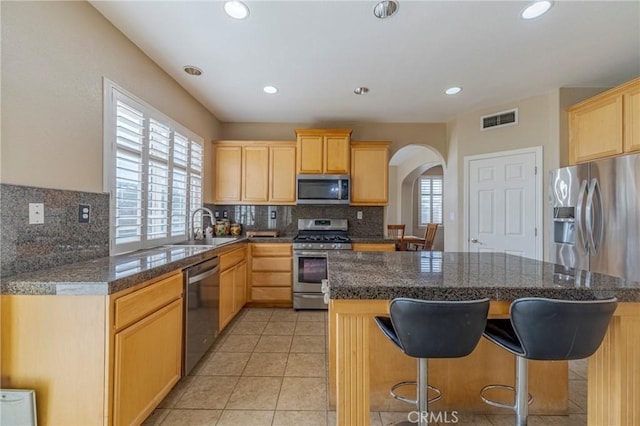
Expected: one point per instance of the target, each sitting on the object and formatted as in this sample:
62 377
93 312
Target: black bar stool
432 329
548 330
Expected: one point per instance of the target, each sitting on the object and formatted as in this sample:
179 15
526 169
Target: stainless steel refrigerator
595 211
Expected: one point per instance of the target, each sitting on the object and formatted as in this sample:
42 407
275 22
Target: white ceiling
317 52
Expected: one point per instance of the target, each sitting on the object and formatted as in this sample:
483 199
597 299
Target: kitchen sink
209 242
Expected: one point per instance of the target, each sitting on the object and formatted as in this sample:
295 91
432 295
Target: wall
54 56
53 59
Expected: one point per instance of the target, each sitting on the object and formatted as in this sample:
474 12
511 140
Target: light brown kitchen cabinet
254 172
233 284
323 151
605 125
227 174
369 173
282 173
110 360
373 247
631 102
271 273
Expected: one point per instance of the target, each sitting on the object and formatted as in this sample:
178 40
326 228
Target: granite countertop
111 274
281 239
451 276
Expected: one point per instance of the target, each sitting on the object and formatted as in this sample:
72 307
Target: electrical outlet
217 214
36 213
225 214
84 213
359 215
274 214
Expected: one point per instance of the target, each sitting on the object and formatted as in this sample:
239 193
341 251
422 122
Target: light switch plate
36 213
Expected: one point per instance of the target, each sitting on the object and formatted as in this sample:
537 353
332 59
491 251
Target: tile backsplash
259 217
61 239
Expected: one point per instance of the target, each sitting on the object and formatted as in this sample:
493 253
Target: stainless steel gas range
315 238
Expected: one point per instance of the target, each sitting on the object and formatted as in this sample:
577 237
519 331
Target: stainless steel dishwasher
201 301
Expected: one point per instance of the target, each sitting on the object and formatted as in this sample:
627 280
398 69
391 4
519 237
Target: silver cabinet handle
475 240
579 223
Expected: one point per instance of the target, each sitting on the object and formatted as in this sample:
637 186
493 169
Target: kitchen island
363 365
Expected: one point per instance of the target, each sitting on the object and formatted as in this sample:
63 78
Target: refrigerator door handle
579 222
595 222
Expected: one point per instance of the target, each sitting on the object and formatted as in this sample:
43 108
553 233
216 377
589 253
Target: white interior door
504 203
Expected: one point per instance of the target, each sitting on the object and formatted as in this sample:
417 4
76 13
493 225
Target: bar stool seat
426 329
547 330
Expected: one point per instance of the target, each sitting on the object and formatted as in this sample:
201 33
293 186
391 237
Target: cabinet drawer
136 305
276 264
273 250
271 279
271 293
232 258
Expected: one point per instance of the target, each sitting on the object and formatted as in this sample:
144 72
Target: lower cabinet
373 247
147 363
147 354
95 360
233 284
271 274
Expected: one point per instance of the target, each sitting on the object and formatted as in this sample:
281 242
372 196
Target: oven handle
310 253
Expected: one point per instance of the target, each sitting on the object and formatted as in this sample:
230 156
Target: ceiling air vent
501 119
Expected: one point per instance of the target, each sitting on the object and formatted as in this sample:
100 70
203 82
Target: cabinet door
228 174
239 287
148 356
596 129
282 171
255 167
226 297
310 153
632 119
336 154
369 174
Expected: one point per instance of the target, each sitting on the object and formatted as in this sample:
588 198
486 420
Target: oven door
309 269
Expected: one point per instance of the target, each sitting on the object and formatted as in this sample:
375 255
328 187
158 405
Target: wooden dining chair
397 232
429 237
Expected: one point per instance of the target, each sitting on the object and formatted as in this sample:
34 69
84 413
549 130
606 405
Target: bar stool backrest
551 329
438 329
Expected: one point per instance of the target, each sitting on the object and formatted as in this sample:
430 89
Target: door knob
474 240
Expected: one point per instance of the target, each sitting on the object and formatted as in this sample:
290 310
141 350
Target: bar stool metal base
438 396
522 396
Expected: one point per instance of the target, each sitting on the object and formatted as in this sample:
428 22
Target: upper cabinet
369 173
605 125
254 172
324 151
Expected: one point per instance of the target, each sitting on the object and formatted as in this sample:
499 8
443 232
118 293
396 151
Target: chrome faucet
206 212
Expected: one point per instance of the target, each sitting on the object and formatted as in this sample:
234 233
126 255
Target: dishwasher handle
203 275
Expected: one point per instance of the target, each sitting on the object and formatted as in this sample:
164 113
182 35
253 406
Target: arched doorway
406 167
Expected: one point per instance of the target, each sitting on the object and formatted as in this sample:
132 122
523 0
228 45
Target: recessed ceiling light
270 89
385 9
191 70
453 90
360 90
536 9
236 9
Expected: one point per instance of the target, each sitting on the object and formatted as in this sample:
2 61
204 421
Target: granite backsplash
61 239
256 217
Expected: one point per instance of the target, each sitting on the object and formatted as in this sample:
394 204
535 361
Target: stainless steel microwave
323 189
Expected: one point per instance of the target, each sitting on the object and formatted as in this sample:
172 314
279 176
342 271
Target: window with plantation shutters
430 200
153 170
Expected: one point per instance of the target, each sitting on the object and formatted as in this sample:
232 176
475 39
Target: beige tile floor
269 367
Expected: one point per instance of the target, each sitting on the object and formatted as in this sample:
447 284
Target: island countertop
464 275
